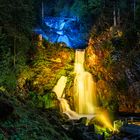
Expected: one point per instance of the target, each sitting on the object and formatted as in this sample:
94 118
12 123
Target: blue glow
60 29
40 31
64 39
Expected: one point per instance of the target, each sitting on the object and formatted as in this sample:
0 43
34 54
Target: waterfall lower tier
65 108
63 103
84 86
84 97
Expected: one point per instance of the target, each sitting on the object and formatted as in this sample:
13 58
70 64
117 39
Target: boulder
6 109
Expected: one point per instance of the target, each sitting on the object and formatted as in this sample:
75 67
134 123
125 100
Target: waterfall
84 94
84 86
64 106
60 86
84 89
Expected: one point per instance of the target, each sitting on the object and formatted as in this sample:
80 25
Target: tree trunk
104 3
134 3
114 16
42 11
14 59
118 17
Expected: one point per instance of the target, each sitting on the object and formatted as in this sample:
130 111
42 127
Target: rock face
75 129
131 101
116 73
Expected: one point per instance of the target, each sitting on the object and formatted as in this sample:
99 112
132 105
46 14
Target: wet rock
80 131
82 120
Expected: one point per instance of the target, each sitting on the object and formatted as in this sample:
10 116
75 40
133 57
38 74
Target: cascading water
64 38
84 86
84 94
60 86
64 106
84 89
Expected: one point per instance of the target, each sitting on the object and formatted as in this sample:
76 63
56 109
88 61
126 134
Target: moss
46 67
101 130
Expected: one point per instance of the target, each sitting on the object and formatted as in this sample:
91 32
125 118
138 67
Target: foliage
48 100
101 130
8 79
19 15
48 64
95 6
122 84
131 38
78 12
16 21
29 123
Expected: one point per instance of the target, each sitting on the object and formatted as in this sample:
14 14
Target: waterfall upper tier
60 86
60 29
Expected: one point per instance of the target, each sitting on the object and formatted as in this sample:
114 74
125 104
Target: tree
16 21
